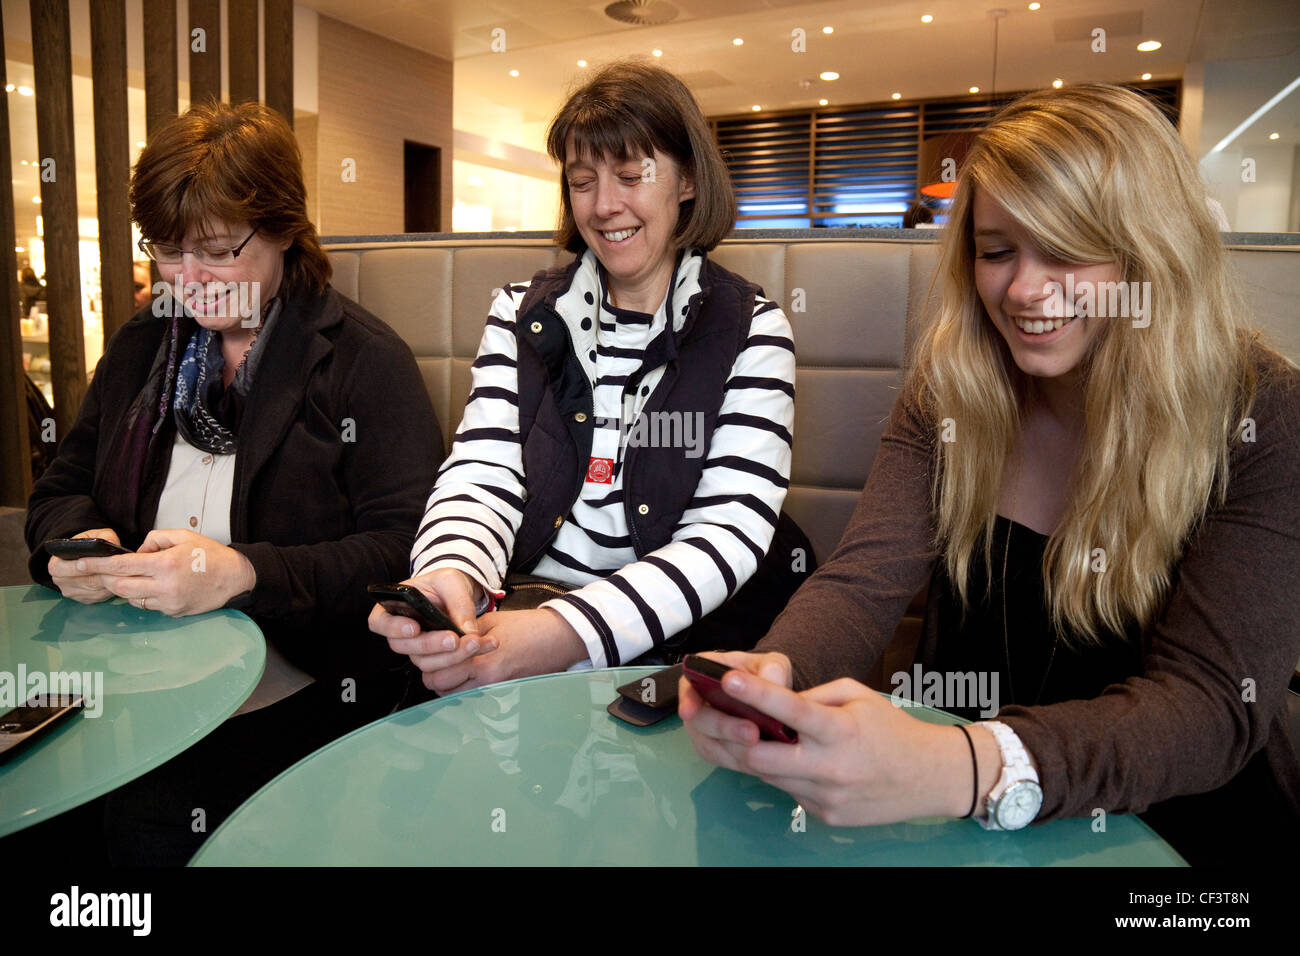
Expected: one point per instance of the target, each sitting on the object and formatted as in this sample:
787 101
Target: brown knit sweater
1178 727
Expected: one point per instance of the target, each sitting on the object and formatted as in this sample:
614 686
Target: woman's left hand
527 643
859 761
176 572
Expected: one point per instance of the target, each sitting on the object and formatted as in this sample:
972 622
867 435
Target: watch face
1019 805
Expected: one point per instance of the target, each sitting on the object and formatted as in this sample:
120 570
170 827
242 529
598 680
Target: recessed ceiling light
1058 83
140 143
1146 76
895 96
1034 6
582 63
926 18
824 102
974 89
657 52
755 108
1272 135
24 162
829 75
9 87
828 29
1147 46
25 90
738 42
514 72
19 249
37 200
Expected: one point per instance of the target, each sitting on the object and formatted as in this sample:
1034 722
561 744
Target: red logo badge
601 471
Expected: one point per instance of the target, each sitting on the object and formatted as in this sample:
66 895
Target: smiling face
626 211
218 306
1012 274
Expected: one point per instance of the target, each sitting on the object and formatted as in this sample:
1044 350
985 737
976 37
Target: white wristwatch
1016 798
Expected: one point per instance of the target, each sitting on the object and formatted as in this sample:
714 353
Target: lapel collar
296 347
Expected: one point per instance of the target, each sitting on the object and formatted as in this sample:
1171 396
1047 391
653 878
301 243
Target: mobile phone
409 601
706 676
69 549
36 717
647 700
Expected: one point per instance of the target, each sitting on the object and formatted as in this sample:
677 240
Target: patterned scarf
188 393
207 412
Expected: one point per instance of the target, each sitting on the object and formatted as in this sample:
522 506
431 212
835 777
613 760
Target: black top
1244 818
1029 669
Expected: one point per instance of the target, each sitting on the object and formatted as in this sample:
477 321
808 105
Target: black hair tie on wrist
975 770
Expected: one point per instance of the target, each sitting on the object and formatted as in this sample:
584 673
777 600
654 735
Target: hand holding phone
705 675
407 600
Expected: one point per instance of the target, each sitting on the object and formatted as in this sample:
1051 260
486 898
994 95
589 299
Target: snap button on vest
580 417
643 509
536 327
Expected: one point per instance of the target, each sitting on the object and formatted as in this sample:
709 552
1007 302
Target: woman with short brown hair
560 469
254 414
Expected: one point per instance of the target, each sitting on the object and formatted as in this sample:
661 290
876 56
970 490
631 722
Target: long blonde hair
1094 174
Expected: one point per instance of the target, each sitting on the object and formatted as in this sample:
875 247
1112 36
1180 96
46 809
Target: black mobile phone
37 716
69 549
649 699
409 601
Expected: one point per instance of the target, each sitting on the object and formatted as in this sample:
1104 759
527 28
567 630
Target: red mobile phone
706 676
409 601
69 549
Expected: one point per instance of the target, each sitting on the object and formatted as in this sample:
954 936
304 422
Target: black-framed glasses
209 254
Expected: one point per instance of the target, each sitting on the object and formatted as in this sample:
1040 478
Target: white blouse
196 497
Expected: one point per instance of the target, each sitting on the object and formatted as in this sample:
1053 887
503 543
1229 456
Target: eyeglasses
209 255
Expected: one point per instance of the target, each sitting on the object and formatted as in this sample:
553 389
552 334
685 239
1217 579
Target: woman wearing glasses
260 442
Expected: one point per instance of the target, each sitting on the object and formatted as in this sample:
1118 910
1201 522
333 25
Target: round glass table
535 772
154 685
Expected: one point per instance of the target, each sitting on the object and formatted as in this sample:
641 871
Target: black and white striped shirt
623 606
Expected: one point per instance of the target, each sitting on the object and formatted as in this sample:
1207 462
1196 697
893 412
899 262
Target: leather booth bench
854 303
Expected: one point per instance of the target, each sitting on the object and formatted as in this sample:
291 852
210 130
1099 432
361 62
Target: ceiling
878 47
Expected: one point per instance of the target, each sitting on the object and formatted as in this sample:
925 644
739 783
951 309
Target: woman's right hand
431 651
705 723
81 586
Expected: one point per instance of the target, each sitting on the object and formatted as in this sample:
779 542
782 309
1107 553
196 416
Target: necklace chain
1006 640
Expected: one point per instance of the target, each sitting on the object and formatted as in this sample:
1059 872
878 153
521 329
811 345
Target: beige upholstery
861 304
855 305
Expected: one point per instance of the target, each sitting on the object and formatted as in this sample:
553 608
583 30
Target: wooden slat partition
161 86
278 15
205 67
15 470
241 22
52 61
112 161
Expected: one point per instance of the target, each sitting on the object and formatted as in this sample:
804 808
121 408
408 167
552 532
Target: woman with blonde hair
1094 464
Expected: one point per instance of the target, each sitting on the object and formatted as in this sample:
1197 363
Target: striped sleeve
477 502
729 525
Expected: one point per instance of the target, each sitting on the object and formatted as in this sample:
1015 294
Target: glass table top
535 772
153 685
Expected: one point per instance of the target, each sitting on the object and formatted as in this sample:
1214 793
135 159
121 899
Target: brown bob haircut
628 110
235 164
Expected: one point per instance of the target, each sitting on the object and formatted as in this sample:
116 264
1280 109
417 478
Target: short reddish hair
237 164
